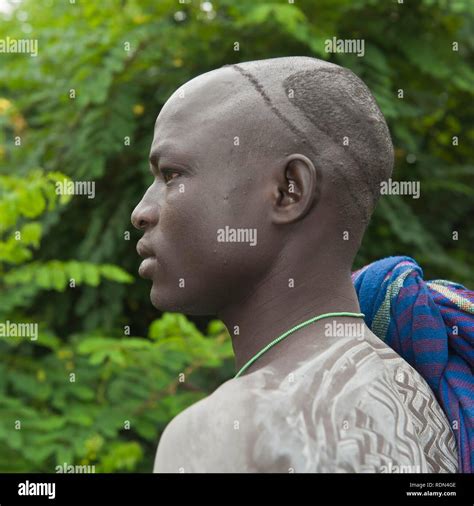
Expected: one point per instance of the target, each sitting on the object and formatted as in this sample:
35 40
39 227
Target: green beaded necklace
288 332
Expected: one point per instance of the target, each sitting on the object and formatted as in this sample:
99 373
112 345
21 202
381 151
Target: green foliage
120 61
99 400
21 200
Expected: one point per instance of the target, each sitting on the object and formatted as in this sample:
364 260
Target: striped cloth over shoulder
431 325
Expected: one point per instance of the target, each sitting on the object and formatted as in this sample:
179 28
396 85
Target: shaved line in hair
361 207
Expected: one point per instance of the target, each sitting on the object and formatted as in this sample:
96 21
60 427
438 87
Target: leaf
115 273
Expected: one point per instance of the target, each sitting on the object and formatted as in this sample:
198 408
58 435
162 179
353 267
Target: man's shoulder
196 439
234 398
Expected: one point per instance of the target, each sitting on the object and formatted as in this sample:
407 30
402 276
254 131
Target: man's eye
168 175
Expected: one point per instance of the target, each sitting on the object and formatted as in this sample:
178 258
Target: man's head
253 163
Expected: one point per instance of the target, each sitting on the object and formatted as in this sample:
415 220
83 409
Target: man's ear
296 189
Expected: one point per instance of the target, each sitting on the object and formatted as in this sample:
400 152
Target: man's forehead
215 109
206 110
209 97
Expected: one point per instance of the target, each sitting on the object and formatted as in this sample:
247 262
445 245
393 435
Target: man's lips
144 249
147 268
148 265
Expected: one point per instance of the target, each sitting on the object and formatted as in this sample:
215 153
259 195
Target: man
266 174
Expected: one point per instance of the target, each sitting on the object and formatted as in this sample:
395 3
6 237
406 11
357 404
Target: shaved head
292 150
334 119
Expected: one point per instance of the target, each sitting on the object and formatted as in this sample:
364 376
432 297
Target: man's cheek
185 232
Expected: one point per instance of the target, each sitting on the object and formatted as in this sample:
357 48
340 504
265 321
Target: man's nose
144 216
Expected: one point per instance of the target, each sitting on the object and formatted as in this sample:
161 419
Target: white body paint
348 405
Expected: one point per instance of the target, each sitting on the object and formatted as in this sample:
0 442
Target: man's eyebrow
154 157
166 151
159 152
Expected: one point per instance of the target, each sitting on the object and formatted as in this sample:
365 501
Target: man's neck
278 304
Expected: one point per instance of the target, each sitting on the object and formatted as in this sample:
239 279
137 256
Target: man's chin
173 302
159 301
164 301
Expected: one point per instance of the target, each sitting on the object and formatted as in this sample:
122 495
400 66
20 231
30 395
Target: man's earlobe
296 189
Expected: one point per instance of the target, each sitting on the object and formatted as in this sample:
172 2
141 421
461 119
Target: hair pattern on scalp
357 96
339 97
